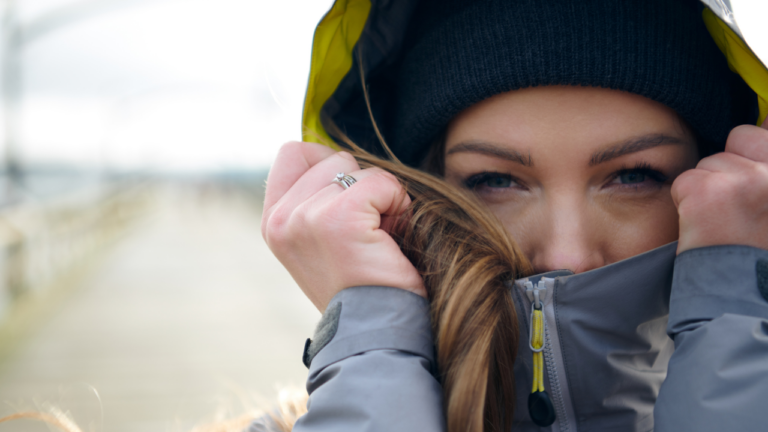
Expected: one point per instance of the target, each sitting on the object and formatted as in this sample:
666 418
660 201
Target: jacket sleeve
718 376
371 365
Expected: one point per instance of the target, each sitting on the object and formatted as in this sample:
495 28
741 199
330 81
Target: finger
393 224
750 142
381 190
686 183
376 194
725 162
317 178
293 160
374 191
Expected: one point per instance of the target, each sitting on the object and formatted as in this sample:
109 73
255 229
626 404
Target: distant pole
11 69
13 39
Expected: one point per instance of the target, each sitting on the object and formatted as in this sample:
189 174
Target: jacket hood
377 28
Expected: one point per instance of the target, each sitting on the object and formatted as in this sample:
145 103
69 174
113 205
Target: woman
588 128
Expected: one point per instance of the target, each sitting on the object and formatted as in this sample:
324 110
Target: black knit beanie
460 52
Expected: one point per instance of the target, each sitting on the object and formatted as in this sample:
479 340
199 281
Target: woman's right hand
330 238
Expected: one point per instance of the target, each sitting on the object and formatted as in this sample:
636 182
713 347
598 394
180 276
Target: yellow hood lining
334 41
741 59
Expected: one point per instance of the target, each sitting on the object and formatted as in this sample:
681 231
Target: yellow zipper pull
540 406
537 346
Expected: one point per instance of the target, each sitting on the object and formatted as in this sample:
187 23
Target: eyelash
477 179
643 168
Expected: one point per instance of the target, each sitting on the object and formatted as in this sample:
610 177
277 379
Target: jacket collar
607 348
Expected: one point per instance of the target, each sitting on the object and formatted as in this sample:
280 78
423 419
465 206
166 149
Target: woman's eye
631 178
490 180
499 182
638 176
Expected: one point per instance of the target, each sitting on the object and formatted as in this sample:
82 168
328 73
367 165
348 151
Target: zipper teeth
549 360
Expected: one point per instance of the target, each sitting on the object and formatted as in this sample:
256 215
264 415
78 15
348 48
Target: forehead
560 118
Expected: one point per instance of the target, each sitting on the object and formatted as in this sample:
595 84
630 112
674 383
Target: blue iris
632 178
499 182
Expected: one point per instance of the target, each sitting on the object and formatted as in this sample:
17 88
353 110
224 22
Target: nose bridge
571 241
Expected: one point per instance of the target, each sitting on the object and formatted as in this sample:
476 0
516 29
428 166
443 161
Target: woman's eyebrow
633 145
491 150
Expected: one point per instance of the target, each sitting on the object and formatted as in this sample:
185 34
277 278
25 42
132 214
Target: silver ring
344 180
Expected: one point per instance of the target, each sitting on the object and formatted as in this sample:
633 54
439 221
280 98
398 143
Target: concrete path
189 316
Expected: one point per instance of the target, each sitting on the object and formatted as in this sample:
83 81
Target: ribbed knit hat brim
462 52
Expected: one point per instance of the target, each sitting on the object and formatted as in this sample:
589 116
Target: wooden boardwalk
188 316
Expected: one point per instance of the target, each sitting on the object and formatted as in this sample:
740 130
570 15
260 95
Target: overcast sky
182 84
192 84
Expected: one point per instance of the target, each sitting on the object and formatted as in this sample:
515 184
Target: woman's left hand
724 200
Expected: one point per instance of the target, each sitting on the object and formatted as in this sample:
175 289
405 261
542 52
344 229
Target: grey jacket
609 364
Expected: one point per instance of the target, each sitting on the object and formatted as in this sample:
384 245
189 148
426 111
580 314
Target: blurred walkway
188 314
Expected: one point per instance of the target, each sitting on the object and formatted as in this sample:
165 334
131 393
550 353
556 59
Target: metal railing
41 242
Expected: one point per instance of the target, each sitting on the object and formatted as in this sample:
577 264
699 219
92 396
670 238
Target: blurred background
136 292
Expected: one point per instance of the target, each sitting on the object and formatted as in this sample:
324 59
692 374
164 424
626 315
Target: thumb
765 124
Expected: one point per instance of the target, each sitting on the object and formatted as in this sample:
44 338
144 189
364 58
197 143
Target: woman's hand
330 238
725 199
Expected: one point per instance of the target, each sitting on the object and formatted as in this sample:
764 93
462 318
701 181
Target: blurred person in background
618 150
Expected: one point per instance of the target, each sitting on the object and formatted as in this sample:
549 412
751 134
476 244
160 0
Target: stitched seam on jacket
554 380
336 351
693 294
410 331
566 361
722 250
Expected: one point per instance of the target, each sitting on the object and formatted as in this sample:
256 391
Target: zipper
544 342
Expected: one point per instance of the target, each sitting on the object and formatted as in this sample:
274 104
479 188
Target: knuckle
343 162
312 219
678 187
276 230
707 161
324 224
683 210
386 178
264 226
704 190
717 187
747 139
746 178
308 218
683 183
758 182
346 155
345 204
741 134
760 173
741 130
290 147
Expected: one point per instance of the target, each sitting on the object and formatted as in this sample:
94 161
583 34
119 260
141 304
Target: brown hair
467 260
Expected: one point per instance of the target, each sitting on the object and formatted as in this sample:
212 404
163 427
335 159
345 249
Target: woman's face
580 176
